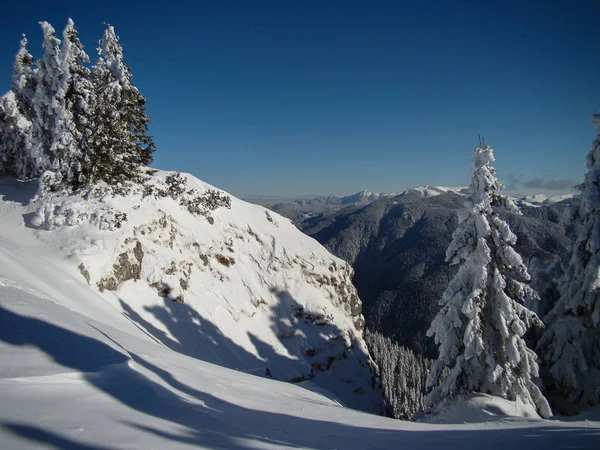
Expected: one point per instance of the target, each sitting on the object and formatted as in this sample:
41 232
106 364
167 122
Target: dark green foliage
196 203
403 374
119 144
84 126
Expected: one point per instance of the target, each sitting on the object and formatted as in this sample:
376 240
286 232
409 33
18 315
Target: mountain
298 210
127 368
397 248
301 210
432 191
209 276
541 199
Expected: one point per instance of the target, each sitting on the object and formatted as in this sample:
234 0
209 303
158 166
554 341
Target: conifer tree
403 374
11 135
570 345
75 93
16 114
23 80
120 142
482 321
47 105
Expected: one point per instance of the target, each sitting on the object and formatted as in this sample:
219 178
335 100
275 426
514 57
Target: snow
541 199
433 191
77 370
481 408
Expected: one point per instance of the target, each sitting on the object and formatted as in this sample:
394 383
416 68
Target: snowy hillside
128 368
432 191
236 286
541 199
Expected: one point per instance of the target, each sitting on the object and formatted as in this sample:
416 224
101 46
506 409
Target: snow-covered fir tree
13 128
23 80
48 106
480 326
61 117
119 144
570 345
76 94
16 113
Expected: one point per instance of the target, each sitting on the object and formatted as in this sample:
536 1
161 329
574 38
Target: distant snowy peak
361 197
365 196
528 200
219 279
431 191
544 200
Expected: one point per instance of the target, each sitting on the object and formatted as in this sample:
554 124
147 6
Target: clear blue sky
332 97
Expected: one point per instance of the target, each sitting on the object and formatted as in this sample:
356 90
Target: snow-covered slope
232 284
81 370
541 199
432 191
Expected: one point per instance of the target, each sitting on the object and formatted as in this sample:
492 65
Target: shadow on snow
215 423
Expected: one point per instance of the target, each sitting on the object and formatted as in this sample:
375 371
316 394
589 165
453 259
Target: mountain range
397 246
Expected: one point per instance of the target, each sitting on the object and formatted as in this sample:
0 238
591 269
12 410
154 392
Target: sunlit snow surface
77 372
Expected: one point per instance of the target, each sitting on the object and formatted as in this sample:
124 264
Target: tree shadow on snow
13 190
201 418
192 335
40 435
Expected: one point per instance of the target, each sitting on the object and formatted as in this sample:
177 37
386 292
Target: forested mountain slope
397 248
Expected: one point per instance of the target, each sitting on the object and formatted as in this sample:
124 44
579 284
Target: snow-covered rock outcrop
216 278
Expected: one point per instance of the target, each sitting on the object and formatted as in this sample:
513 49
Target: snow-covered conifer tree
570 345
120 142
74 96
23 80
47 106
480 326
16 114
11 134
403 374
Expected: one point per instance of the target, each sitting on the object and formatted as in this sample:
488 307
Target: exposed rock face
246 290
125 268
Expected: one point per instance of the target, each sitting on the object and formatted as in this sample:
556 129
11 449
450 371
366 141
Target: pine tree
23 80
11 135
482 321
16 114
120 142
402 374
76 95
47 105
570 345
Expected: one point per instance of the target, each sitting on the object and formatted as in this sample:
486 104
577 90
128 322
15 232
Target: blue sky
332 97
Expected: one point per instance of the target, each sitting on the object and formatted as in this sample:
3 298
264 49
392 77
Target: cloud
549 184
512 181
